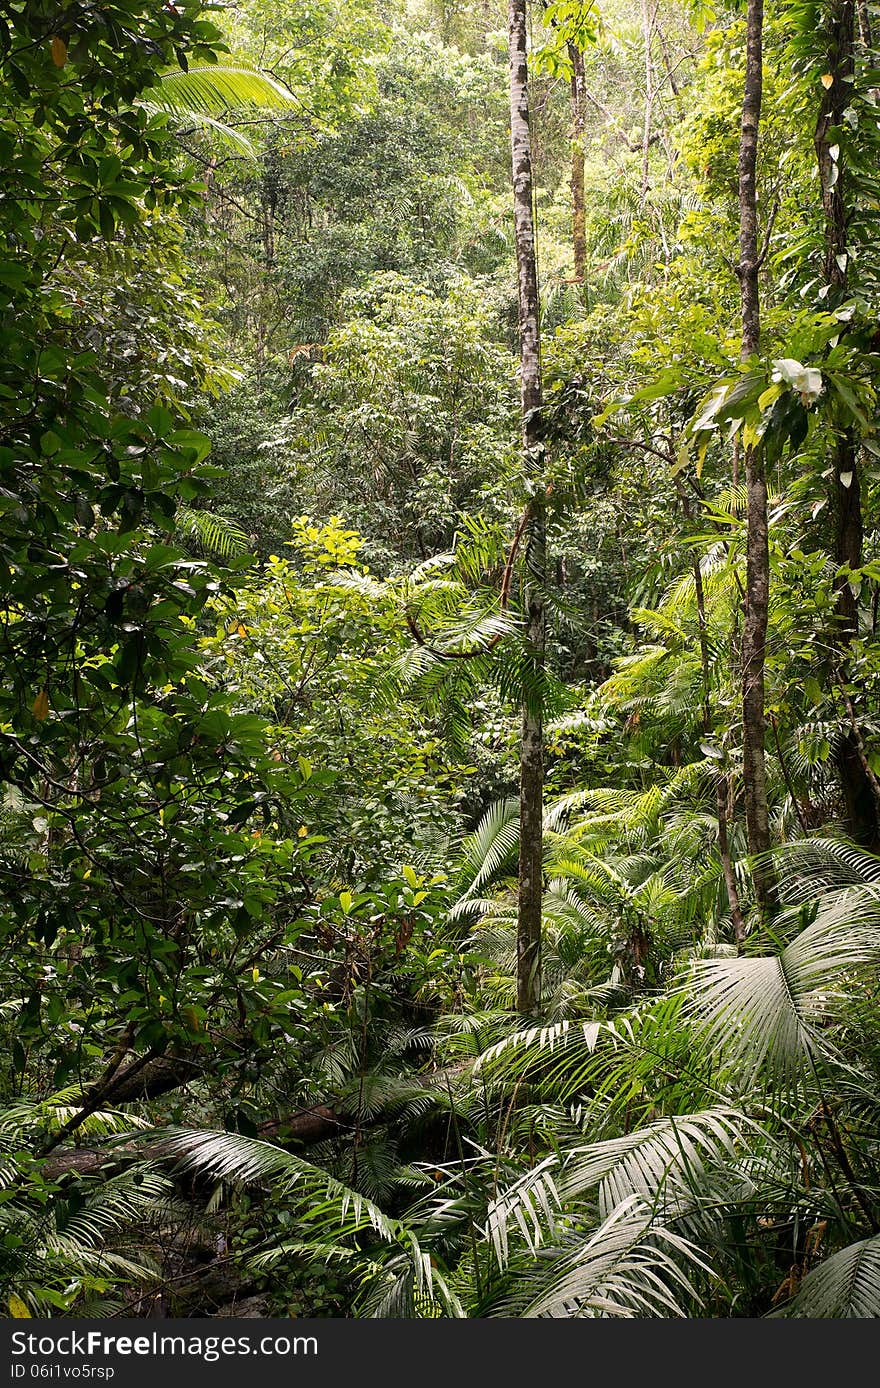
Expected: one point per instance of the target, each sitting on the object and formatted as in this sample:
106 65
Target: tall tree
862 816
757 544
835 98
578 208
528 990
649 16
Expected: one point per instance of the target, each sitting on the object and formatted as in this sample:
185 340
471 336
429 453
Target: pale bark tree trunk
757 543
862 811
578 208
531 799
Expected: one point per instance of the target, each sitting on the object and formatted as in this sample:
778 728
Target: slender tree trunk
722 784
859 796
531 797
757 544
835 99
670 71
722 789
734 468
578 209
649 14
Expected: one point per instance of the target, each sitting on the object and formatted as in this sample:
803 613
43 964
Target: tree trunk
834 102
578 209
531 798
649 14
860 800
721 784
757 544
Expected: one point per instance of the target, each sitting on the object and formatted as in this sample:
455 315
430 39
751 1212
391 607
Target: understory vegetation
440 702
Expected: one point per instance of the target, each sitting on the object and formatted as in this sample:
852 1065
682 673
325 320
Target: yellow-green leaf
18 1309
682 459
770 395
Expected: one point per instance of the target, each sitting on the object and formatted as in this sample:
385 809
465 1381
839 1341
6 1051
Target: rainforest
440 659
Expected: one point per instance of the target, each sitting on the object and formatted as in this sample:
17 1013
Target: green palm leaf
628 1268
211 534
845 1287
219 90
205 95
768 1011
665 1164
326 1202
492 846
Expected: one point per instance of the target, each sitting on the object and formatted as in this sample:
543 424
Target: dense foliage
268 578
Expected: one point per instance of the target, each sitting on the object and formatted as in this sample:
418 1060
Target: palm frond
218 90
845 1287
529 1203
491 846
211 534
246 1161
629 1267
665 1164
769 1011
